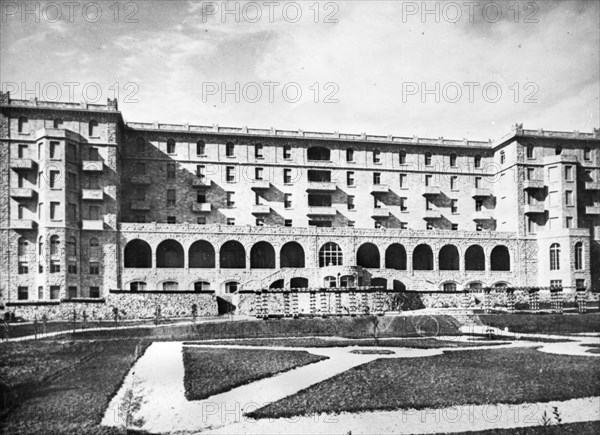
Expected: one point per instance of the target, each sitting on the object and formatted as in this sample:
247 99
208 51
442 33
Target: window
171 171
23 267
403 206
349 155
258 173
452 160
71 152
568 222
350 202
478 204
201 198
578 256
555 256
553 173
94 213
231 287
140 194
454 206
587 154
260 222
556 283
287 152
330 254
23 125
453 182
23 293
403 181
94 268
54 245
140 168
54 291
429 226
94 292
428 179
201 220
329 281
71 248
402 157
502 157
531 226
139 218
200 148
20 211
40 292
350 178
319 176
530 173
287 176
170 146
54 266
568 197
258 151
376 203
287 200
93 128
427 159
449 287
558 150
22 151
140 145
427 204
351 224
287 222
170 286
231 221
57 123
478 227
171 220
403 225
530 152
569 173
171 197
376 177
200 172
230 201
93 181
229 149
71 292
54 177
23 248
319 200
94 251
580 284
454 227
477 161
376 157
72 181
230 174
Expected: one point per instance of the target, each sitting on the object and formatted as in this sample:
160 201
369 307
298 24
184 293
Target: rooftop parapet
111 105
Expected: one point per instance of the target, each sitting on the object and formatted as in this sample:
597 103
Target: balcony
22 193
92 194
140 205
592 209
261 209
261 185
432 191
139 179
201 207
481 192
592 185
533 184
380 213
321 211
482 216
534 208
22 224
200 183
92 165
380 189
321 186
432 214
93 225
22 164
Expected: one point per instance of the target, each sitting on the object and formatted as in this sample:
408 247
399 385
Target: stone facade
183 207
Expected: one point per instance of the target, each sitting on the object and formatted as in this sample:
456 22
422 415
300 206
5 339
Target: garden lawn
213 371
544 323
453 378
74 401
585 428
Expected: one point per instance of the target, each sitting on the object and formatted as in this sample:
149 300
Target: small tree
115 312
83 319
194 312
45 323
157 315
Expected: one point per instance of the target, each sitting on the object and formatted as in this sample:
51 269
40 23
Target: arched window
500 258
395 257
402 157
200 148
201 286
231 286
299 283
54 245
319 153
135 286
349 155
427 158
399 286
477 161
502 157
330 254
23 246
379 282
95 248
201 255
170 146
476 286
347 281
23 125
449 258
279 284
474 258
449 286
170 286
57 123
93 128
138 254
423 258
368 256
578 256
452 159
292 255
376 156
232 255
329 281
140 145
262 256
555 256
169 254
72 247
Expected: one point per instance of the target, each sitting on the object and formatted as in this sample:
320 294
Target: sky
431 69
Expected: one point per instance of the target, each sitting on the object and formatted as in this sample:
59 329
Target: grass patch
213 371
373 352
74 401
453 378
583 428
544 324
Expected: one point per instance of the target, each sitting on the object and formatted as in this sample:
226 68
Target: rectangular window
377 178
171 220
556 283
54 266
454 206
72 212
568 222
553 198
530 152
171 197
350 178
171 171
402 157
319 200
257 199
320 224
258 173
531 226
71 152
427 204
72 292
170 146
403 181
21 211
20 180
230 174
429 226
23 267
351 224
231 221
23 293
229 149
478 204
201 198
403 202
287 152
530 173
200 148
40 292
140 168
287 176
377 157
94 213
54 291
376 203
319 176
403 225
287 200
93 181
94 292
569 197
23 151
553 173
54 150
350 202
454 227
93 154
72 268
140 218
260 222
287 223
580 283
569 173
201 220
140 194
230 201
72 181
258 151
453 182
54 176
478 182
478 227
94 268
379 224
428 180
54 215
553 223
200 171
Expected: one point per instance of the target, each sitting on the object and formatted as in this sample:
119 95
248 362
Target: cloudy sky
359 66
